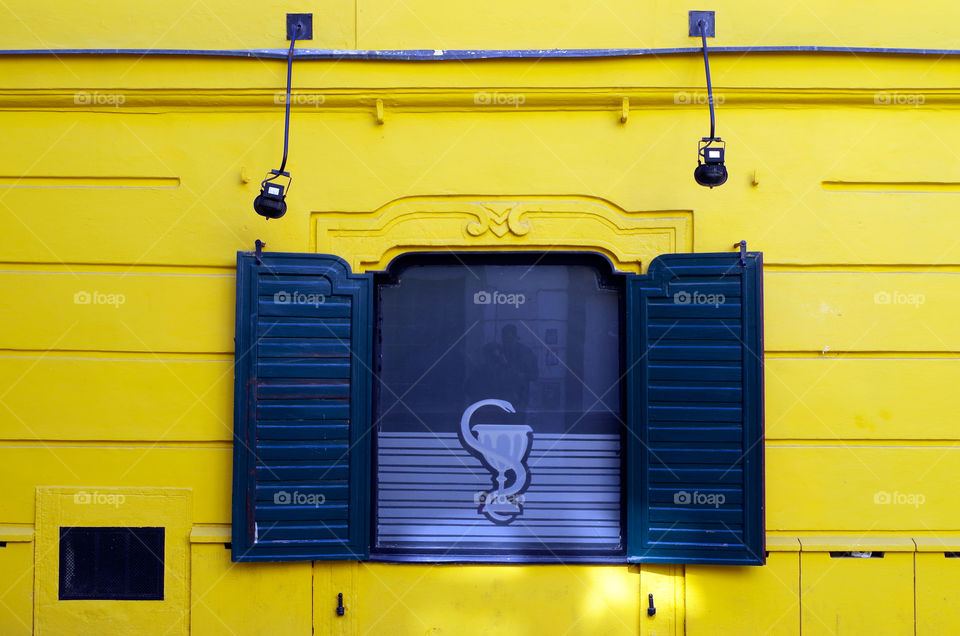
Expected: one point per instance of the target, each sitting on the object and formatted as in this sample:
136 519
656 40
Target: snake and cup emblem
503 450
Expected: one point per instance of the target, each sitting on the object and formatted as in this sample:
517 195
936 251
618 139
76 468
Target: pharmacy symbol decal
503 450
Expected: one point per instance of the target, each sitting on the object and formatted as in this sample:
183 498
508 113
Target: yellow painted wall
131 179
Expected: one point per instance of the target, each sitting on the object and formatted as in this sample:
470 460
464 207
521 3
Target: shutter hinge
743 252
258 253
340 609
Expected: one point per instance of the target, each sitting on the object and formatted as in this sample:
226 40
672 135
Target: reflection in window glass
499 412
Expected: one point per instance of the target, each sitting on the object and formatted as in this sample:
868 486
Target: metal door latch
743 252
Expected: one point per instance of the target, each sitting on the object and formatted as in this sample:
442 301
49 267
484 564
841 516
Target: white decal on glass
503 450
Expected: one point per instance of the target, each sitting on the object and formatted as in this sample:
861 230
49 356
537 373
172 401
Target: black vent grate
124 564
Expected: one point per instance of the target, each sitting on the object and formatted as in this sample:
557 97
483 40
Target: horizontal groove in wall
823 539
855 268
856 534
117 444
100 183
114 269
892 355
116 356
496 99
877 442
905 187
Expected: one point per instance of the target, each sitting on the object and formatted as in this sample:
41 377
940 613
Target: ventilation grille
123 564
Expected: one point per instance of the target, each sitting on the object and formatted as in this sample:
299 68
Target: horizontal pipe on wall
439 55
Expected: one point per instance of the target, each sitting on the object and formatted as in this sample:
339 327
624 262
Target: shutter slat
271 451
711 394
694 371
313 348
297 327
727 514
271 511
287 533
686 476
716 413
680 311
695 404
311 472
332 409
291 368
671 331
696 351
330 491
304 285
301 486
682 537
694 434
692 456
299 389
303 430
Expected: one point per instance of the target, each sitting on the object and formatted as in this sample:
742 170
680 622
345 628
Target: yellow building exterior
133 152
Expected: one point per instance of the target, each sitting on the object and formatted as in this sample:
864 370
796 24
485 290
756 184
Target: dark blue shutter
695 410
302 409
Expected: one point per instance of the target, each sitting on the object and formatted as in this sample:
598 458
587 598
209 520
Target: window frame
711 423
610 278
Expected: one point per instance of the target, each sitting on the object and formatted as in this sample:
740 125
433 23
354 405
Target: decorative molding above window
482 223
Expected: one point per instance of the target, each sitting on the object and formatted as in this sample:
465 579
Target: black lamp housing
710 171
271 202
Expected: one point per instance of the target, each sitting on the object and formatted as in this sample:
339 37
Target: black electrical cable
706 65
271 202
286 117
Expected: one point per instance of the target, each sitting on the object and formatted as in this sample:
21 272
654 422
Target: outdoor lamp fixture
271 202
710 171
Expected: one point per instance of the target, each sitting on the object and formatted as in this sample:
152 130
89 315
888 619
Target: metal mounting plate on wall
305 19
709 22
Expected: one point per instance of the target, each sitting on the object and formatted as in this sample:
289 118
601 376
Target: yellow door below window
938 585
724 599
857 595
414 600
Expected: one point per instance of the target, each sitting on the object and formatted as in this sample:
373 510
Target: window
498 410
124 564
514 408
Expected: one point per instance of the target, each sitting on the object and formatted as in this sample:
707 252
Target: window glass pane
499 412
